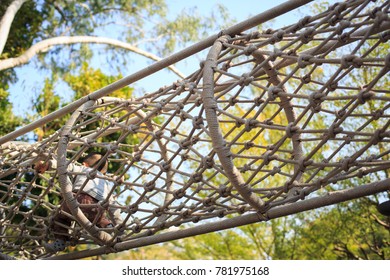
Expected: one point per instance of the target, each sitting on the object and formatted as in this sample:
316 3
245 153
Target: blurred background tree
63 40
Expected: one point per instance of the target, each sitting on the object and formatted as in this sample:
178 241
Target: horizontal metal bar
236 29
273 213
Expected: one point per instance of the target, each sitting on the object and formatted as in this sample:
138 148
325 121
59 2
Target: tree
59 36
9 122
48 26
352 230
61 40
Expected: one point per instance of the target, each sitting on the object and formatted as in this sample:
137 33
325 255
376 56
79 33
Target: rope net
271 118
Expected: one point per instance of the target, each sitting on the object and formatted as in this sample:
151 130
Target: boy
91 192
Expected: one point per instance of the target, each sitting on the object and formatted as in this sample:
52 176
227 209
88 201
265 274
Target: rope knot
273 92
179 193
197 177
267 157
277 36
363 96
233 101
304 60
249 49
332 86
384 36
208 162
275 54
137 228
275 171
248 145
387 62
338 8
315 100
301 23
132 209
252 35
250 124
345 163
207 201
185 214
341 113
306 79
245 168
291 129
377 137
304 163
347 139
91 174
179 106
378 114
158 211
133 128
290 185
307 35
258 101
380 17
334 130
246 80
112 148
350 60
197 122
149 186
221 213
165 166
191 87
342 25
158 134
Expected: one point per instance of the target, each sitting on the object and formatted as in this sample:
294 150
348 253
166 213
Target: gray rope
273 123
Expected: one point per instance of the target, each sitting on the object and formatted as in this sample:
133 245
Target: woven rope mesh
271 117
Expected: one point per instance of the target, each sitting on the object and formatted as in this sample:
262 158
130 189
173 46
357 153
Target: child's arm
42 167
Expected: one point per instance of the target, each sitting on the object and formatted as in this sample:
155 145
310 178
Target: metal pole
273 213
235 29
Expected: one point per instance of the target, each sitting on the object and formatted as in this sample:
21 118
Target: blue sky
240 10
30 83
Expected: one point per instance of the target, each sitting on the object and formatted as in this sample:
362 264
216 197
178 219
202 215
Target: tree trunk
6 21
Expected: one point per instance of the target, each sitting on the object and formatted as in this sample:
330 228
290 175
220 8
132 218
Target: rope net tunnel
274 122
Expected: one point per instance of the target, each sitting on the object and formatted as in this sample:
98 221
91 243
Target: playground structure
274 122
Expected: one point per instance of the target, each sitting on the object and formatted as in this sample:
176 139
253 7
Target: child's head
94 159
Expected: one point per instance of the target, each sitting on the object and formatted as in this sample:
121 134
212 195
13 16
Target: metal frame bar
277 212
235 29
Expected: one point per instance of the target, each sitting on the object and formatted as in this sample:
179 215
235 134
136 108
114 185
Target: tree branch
68 40
6 21
380 222
343 248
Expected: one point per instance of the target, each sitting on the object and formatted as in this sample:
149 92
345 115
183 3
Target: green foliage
89 80
7 118
82 82
46 103
24 28
85 17
187 26
23 31
225 245
130 20
350 230
153 252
